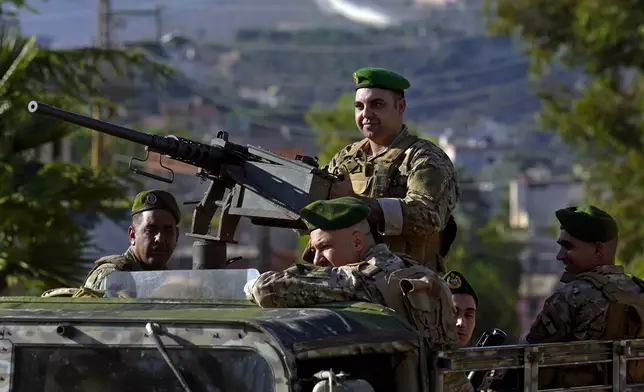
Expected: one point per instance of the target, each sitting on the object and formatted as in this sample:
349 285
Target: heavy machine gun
248 181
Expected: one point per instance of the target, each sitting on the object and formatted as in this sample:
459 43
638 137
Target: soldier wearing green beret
466 302
597 298
153 236
409 183
348 265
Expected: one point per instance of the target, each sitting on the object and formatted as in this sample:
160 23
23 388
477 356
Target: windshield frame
114 335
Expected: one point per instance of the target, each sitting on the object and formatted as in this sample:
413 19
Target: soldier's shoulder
387 260
111 259
426 150
384 259
347 149
579 291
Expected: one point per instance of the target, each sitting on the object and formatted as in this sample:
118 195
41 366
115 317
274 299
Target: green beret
380 78
459 285
587 223
156 199
335 214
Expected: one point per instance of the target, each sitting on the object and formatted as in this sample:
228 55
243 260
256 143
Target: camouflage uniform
97 277
580 305
597 304
578 311
415 183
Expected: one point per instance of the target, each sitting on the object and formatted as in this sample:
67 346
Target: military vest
378 178
624 320
419 297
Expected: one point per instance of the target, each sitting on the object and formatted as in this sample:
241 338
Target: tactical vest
377 179
419 298
624 320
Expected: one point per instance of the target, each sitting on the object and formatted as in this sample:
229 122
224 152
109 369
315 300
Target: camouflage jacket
423 186
577 311
305 285
415 185
97 277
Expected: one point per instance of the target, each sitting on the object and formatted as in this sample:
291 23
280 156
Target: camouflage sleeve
432 192
553 323
97 279
590 311
303 285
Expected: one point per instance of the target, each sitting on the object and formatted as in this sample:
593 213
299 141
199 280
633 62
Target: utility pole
103 40
101 143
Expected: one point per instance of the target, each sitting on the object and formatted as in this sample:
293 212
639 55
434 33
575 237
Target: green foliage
489 260
333 125
600 114
46 209
487 254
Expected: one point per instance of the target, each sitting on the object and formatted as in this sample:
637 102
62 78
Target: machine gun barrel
144 138
197 154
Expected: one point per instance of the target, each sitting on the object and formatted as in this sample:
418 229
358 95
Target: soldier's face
466 316
578 256
154 237
379 114
336 248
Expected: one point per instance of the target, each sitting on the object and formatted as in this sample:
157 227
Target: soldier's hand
342 188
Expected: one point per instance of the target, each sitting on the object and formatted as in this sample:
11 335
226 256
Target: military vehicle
194 331
176 337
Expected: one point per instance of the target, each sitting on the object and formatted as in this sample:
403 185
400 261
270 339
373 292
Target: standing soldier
409 183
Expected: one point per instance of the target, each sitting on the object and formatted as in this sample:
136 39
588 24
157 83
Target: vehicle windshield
122 369
180 284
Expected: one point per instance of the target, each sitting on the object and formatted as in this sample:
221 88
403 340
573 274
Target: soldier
598 300
410 183
350 266
466 302
153 237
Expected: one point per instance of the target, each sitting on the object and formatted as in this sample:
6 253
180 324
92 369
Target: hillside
74 22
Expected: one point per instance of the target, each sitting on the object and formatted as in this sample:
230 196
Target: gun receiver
246 181
481 380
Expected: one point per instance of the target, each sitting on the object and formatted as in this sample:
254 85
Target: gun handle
152 176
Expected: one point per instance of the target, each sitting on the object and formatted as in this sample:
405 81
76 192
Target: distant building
480 146
533 201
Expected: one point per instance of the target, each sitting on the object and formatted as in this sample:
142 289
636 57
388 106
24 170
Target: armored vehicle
168 331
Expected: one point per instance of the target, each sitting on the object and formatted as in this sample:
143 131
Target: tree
45 209
599 44
487 254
